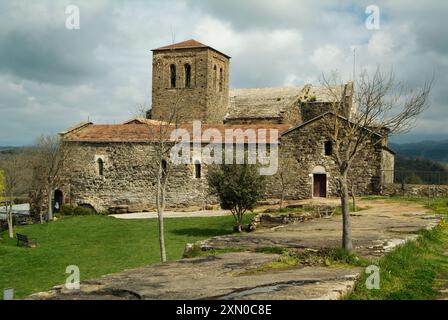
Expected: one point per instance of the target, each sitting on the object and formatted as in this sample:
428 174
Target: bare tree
285 177
12 169
50 155
383 108
38 192
139 111
161 133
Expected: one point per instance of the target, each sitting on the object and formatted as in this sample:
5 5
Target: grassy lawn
417 269
98 245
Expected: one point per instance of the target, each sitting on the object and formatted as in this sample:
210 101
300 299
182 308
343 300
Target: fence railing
417 176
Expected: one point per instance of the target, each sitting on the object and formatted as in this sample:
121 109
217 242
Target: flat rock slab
374 231
214 277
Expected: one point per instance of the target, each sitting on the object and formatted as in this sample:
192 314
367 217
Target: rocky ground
230 275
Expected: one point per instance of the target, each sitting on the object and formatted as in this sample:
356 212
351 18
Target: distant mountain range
8 149
432 150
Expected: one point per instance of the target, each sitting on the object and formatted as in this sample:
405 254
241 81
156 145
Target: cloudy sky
52 77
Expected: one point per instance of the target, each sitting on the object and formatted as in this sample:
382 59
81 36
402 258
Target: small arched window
221 79
197 170
173 75
187 75
100 166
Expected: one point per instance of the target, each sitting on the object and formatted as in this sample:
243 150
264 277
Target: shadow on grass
201 232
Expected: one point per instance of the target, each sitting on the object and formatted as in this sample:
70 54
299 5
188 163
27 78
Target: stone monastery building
113 167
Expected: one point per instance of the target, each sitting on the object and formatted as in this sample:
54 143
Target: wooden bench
30 243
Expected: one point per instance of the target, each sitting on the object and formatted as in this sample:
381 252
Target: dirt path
225 276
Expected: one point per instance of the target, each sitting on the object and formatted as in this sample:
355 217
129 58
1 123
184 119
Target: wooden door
320 185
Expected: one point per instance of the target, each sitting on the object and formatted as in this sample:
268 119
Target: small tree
161 133
238 188
50 156
38 191
12 174
285 177
383 108
2 183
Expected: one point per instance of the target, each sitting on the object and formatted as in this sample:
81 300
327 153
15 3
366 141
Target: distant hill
421 162
432 150
9 149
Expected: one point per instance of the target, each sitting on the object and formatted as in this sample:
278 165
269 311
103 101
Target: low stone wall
271 217
415 190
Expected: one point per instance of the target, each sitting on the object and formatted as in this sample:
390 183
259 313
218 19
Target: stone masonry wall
129 173
302 150
415 190
129 178
203 100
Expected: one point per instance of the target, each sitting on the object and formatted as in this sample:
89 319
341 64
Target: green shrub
238 187
69 210
81 211
66 210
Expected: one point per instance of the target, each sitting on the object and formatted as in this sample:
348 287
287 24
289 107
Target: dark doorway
58 199
320 185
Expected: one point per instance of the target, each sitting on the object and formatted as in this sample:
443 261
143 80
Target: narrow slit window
173 75
221 79
328 148
215 78
197 170
164 168
187 76
100 167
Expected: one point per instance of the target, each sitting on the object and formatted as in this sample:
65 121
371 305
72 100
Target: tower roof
188 44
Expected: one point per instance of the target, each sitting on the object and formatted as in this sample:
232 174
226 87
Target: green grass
98 245
414 270
417 269
292 258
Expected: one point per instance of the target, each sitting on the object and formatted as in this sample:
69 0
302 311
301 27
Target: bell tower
192 78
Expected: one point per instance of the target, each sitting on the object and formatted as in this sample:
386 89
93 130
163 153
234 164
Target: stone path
225 276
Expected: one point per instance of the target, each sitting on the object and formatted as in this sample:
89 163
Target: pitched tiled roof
142 132
139 120
262 103
76 127
331 113
189 44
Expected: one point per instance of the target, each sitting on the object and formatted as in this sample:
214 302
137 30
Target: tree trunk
50 205
346 233
282 198
354 199
160 208
10 219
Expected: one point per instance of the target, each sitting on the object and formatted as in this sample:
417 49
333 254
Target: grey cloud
51 78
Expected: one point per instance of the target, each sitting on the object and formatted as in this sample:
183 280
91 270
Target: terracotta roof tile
189 44
142 132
